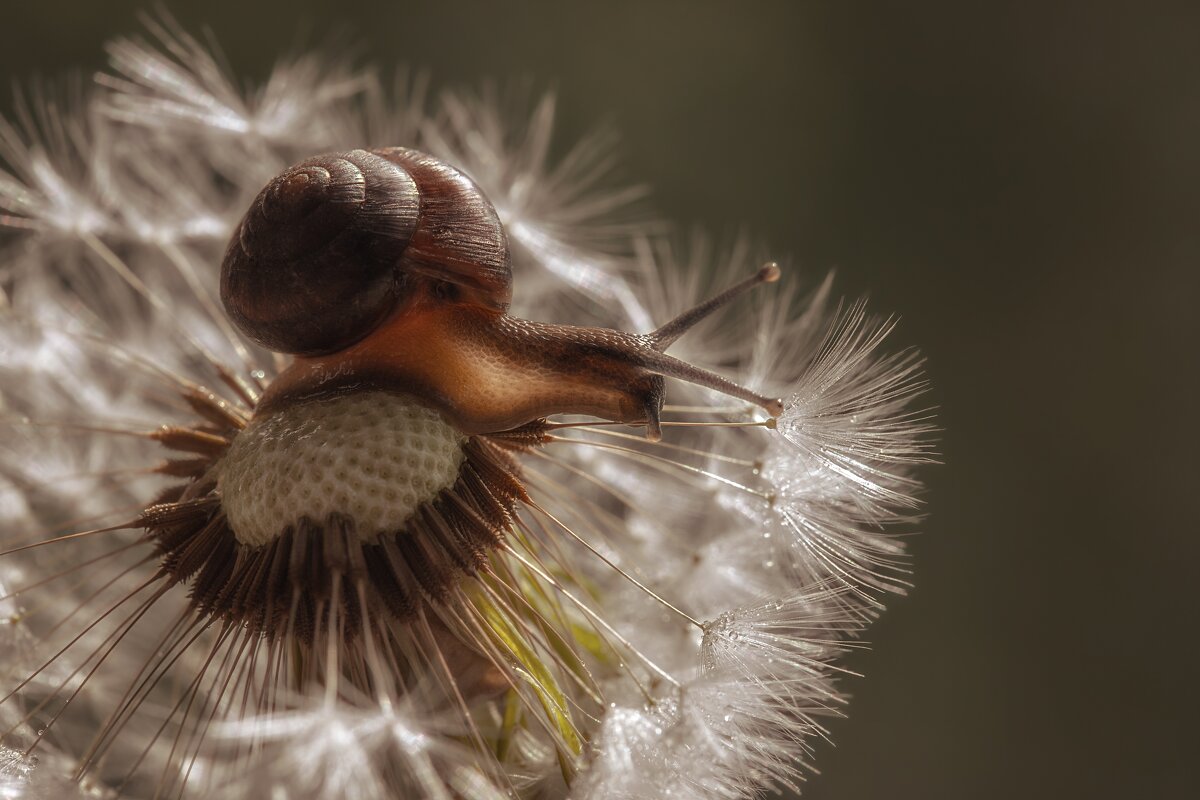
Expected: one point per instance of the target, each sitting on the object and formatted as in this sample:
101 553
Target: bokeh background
1021 184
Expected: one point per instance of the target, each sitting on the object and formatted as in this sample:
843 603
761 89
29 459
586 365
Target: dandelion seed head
231 572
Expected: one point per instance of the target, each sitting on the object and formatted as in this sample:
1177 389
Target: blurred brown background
1022 185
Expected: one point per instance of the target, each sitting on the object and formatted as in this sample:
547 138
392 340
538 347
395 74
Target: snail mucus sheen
381 468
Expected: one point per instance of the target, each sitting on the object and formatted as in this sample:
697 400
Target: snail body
485 372
388 269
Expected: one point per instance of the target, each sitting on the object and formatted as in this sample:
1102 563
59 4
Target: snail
378 470
389 268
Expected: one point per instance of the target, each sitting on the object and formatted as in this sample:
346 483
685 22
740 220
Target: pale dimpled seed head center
373 457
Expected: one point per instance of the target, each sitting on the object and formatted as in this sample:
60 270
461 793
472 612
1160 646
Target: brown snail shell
333 245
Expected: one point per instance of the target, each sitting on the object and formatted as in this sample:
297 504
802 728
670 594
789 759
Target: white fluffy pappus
657 619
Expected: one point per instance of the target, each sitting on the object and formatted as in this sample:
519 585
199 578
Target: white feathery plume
780 638
855 440
729 733
175 83
851 409
47 183
331 751
741 724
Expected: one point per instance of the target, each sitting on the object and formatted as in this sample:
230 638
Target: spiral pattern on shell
313 266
